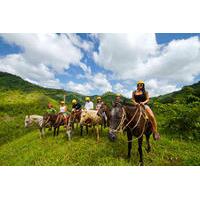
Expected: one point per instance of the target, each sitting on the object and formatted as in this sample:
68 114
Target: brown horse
104 113
133 120
75 117
55 121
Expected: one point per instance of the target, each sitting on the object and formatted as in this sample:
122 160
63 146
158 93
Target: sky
96 63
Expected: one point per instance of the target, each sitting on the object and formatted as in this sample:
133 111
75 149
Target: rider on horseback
118 99
75 105
88 104
98 106
141 97
63 110
51 109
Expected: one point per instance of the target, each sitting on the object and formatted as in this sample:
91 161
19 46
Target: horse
75 117
90 118
134 121
104 113
38 121
57 120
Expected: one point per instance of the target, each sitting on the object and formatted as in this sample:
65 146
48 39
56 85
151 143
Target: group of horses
119 118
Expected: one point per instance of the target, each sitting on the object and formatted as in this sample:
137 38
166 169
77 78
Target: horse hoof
112 137
148 150
141 163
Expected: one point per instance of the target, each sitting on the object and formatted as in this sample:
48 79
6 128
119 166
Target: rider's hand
142 103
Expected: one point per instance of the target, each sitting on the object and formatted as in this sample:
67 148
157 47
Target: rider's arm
147 97
133 99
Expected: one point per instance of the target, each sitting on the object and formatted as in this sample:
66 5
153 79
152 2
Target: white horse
90 117
37 120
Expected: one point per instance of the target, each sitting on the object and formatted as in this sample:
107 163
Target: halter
121 122
124 118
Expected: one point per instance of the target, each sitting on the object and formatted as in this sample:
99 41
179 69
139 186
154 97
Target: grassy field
29 149
177 115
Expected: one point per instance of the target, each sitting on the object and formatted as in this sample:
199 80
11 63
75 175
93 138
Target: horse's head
117 116
27 121
84 117
102 109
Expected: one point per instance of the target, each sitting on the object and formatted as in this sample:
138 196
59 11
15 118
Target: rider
75 105
88 104
51 109
118 98
99 103
63 110
141 97
98 106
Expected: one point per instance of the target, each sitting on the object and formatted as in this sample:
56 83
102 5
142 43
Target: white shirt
62 109
89 105
98 106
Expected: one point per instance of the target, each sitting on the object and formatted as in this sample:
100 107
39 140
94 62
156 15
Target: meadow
177 115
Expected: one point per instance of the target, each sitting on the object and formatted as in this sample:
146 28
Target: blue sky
97 63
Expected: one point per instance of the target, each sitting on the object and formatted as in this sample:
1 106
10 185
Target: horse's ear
28 116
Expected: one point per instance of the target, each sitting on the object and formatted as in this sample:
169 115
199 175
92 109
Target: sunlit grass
29 149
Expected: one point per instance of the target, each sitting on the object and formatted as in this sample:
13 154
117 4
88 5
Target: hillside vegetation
177 114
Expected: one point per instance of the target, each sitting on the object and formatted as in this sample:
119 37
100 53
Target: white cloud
93 82
97 83
119 88
156 88
121 53
42 56
38 74
85 88
77 41
138 56
56 51
101 83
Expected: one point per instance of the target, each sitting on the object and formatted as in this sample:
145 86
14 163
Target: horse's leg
148 148
54 131
140 150
43 131
76 126
58 130
81 127
129 136
40 133
97 132
68 132
72 127
87 129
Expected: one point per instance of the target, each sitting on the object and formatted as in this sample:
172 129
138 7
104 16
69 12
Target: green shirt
51 111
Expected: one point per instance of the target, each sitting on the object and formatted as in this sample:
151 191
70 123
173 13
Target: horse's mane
128 104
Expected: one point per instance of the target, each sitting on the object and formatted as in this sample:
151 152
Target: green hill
177 115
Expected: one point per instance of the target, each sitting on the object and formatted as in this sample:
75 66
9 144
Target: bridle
46 121
121 128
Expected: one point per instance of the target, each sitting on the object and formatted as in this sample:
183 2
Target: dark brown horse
75 118
55 121
104 113
133 120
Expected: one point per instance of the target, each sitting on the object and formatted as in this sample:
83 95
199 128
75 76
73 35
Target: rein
121 122
46 121
124 118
